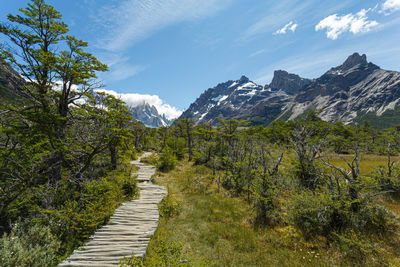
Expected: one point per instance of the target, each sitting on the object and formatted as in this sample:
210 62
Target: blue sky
169 51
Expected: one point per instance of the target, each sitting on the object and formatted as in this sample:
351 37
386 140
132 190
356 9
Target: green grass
368 162
218 227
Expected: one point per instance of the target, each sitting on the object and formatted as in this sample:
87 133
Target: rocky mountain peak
352 92
354 60
244 79
288 82
149 115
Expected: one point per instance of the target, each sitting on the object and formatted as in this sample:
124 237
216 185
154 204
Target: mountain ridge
349 92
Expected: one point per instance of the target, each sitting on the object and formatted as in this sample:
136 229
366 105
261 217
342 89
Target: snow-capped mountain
149 115
224 100
244 99
352 92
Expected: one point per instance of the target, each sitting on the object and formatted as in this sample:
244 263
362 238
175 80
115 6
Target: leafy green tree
167 160
264 187
177 145
48 58
206 144
187 128
162 136
307 145
117 117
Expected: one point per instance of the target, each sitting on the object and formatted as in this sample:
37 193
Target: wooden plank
128 230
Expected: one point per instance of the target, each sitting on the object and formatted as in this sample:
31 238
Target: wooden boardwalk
129 229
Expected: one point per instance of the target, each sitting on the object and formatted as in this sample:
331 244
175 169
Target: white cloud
258 52
278 12
123 71
129 21
120 66
336 25
390 6
288 27
154 100
293 27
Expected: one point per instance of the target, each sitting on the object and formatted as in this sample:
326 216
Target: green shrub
308 173
200 158
79 216
312 214
130 188
133 155
353 247
167 161
178 146
265 194
169 206
29 246
151 160
319 214
234 182
375 219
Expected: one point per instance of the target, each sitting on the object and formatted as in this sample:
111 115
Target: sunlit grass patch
368 162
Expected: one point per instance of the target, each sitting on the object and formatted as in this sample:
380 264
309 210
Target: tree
48 58
187 129
36 138
307 143
264 188
117 117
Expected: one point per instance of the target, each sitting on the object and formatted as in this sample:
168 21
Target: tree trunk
57 157
189 134
113 156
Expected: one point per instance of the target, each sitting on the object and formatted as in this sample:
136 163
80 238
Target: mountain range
355 91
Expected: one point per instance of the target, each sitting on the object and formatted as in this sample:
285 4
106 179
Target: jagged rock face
338 79
342 93
149 115
353 87
288 82
227 100
245 100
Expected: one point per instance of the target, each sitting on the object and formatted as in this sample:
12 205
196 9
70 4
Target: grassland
218 227
368 162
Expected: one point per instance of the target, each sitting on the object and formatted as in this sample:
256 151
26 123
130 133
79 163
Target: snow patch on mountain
233 84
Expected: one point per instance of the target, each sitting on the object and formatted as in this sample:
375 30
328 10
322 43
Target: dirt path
129 229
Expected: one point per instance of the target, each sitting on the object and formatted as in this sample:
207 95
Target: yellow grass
368 162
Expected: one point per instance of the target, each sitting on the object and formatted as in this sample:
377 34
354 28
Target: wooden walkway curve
129 230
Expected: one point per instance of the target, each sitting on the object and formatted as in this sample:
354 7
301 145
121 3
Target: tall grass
219 228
